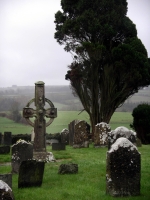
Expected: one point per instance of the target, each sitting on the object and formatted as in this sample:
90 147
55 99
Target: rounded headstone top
4 186
39 83
122 142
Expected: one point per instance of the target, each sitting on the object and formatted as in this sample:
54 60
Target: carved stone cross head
39 113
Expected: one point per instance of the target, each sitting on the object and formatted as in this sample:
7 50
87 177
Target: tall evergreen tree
110 62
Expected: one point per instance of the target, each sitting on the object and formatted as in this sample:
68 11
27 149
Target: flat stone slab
70 168
58 146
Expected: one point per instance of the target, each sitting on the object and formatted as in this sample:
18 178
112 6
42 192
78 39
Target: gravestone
21 151
123 169
4 149
78 133
7 178
65 136
71 131
70 168
101 134
39 124
7 138
5 191
31 174
58 146
1 137
121 132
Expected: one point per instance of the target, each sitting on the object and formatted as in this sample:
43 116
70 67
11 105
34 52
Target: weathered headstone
5 191
121 132
101 134
21 151
40 113
78 133
1 136
123 170
71 131
7 178
7 138
31 174
4 149
65 136
58 146
70 168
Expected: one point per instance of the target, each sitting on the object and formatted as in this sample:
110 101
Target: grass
88 184
62 121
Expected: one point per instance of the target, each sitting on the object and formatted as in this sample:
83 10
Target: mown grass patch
88 184
62 121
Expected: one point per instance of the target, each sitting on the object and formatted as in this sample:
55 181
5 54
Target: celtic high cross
40 113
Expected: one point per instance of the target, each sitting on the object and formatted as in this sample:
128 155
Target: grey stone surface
7 138
31 174
121 132
123 169
70 168
58 146
21 151
101 134
65 136
79 132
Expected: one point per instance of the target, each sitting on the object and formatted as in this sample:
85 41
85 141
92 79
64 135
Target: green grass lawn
62 121
88 184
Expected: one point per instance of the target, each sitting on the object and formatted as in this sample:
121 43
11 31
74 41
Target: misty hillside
61 96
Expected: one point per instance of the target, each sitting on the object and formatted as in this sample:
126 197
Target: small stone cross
40 113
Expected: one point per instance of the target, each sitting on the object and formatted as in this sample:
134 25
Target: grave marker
21 151
123 169
7 138
31 174
39 124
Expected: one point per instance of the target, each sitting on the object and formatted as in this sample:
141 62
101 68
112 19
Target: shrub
141 122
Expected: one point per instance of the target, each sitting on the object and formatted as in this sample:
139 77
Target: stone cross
39 113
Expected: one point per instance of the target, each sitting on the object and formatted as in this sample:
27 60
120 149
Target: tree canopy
110 63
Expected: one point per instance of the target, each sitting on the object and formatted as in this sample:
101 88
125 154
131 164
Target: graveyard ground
88 184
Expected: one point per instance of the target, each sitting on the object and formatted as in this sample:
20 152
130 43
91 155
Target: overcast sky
28 50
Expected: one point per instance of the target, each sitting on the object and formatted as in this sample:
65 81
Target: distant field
62 121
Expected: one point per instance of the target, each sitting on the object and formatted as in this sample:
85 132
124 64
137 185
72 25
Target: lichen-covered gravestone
31 174
21 151
101 134
123 169
121 132
79 131
65 136
5 191
70 168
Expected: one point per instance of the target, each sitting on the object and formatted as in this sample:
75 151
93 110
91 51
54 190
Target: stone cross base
43 156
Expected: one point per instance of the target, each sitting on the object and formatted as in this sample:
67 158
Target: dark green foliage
110 62
141 122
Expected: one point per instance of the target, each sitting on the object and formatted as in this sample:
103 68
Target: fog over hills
61 96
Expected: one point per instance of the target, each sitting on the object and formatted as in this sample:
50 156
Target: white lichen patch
122 142
4 186
21 142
